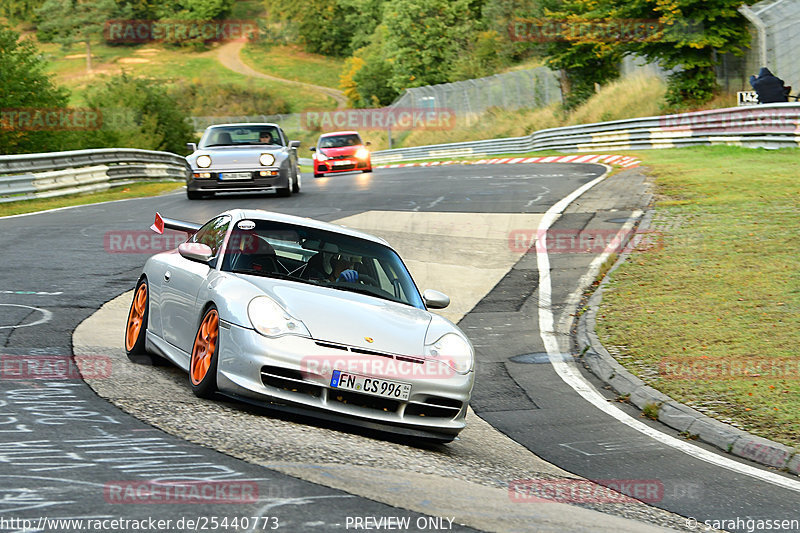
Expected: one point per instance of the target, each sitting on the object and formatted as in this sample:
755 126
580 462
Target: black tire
296 186
318 175
367 170
193 195
136 327
205 386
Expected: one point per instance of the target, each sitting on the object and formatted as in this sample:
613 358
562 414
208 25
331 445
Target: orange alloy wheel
136 317
204 346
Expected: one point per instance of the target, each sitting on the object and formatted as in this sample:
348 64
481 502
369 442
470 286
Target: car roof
244 124
260 214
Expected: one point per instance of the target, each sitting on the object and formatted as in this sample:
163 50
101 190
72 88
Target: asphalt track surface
60 444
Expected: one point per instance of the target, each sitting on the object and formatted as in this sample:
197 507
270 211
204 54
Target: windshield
340 141
240 135
319 257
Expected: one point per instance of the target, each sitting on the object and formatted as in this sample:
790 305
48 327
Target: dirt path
228 55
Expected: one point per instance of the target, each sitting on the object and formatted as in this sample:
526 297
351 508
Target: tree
139 113
75 21
424 38
18 9
582 43
688 35
365 80
25 86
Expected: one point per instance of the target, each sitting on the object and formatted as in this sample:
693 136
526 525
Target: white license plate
235 176
367 385
342 163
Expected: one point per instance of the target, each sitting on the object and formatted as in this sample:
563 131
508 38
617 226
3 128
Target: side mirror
196 251
367 143
435 299
191 147
313 148
294 144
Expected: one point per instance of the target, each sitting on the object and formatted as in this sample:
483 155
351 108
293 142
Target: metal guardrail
762 126
45 175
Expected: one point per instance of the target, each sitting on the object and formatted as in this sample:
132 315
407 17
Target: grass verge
135 190
712 318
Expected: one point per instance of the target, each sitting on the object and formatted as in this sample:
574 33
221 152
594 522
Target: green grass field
292 63
158 61
712 318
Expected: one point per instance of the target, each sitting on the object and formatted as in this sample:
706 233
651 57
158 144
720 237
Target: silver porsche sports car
303 315
243 157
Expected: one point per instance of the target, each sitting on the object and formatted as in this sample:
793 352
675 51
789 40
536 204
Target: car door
182 282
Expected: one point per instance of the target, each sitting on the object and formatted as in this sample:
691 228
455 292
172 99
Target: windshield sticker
246 225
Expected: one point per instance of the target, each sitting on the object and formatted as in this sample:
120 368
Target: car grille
434 407
288 380
364 400
365 351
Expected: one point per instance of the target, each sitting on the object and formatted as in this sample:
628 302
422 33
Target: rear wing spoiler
163 223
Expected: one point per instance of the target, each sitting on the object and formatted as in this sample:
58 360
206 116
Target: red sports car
341 151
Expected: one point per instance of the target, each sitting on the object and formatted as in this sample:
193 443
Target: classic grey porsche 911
243 157
307 316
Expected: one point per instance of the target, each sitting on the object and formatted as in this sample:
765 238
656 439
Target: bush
208 98
138 113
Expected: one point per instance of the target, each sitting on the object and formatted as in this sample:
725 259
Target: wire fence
467 99
780 44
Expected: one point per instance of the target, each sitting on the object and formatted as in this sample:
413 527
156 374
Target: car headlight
362 153
266 159
452 350
203 161
272 320
321 156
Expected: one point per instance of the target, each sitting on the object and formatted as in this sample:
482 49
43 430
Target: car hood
233 156
350 318
338 152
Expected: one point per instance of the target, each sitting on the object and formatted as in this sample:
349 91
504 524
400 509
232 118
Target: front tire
136 328
296 187
193 195
203 364
285 192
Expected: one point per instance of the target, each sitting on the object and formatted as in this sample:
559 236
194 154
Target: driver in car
343 271
265 137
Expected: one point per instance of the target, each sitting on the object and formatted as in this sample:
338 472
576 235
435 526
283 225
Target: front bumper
260 179
296 372
341 165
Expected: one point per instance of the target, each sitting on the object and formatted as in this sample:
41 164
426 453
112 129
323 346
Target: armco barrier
762 126
45 175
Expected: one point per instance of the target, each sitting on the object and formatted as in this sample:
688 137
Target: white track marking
46 316
572 377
